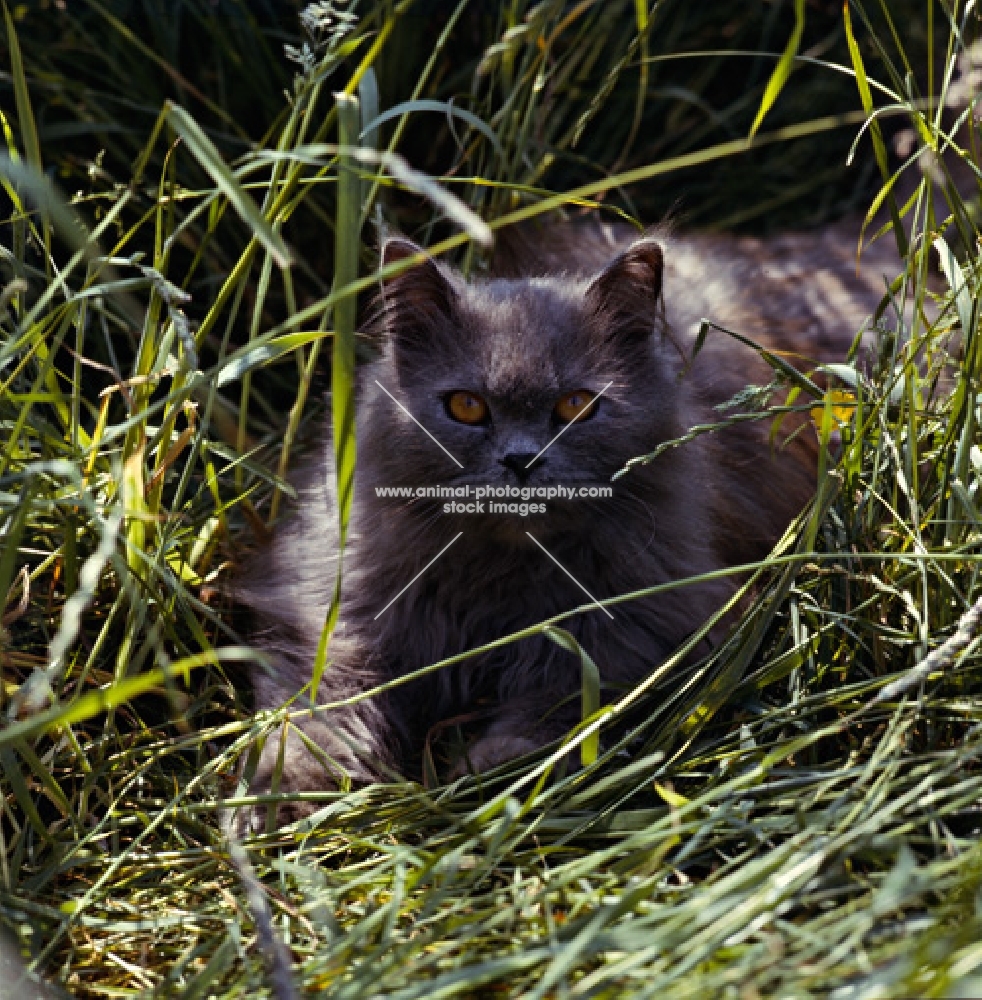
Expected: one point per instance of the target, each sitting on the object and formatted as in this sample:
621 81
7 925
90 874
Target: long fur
569 308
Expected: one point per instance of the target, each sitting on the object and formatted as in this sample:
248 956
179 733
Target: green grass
799 814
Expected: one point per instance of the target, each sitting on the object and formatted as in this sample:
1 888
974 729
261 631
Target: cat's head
538 381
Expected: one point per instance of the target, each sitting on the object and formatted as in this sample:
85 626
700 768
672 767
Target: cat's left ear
417 298
626 295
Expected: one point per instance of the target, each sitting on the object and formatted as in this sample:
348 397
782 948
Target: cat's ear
418 297
626 296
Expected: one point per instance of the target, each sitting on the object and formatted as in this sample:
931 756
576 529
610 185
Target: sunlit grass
796 815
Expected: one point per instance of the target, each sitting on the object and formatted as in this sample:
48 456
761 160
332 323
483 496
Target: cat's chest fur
477 593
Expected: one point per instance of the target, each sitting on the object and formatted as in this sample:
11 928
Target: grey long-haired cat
582 332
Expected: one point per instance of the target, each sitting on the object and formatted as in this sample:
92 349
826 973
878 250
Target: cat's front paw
254 821
490 751
290 768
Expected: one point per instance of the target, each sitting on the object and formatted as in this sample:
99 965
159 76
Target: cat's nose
523 464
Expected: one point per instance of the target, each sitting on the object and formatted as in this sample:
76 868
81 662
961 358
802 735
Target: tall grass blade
781 72
205 152
879 145
346 247
589 690
38 190
22 97
444 107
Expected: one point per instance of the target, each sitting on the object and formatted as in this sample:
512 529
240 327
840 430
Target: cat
569 359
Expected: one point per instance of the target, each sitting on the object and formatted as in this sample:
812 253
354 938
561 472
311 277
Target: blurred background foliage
573 92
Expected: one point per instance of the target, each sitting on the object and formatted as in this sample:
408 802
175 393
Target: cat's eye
577 405
466 408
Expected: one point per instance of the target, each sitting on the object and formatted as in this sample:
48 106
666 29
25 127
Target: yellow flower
838 409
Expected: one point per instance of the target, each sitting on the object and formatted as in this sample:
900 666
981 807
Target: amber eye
576 405
466 408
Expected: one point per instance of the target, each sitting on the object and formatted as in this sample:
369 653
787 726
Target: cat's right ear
417 298
626 297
